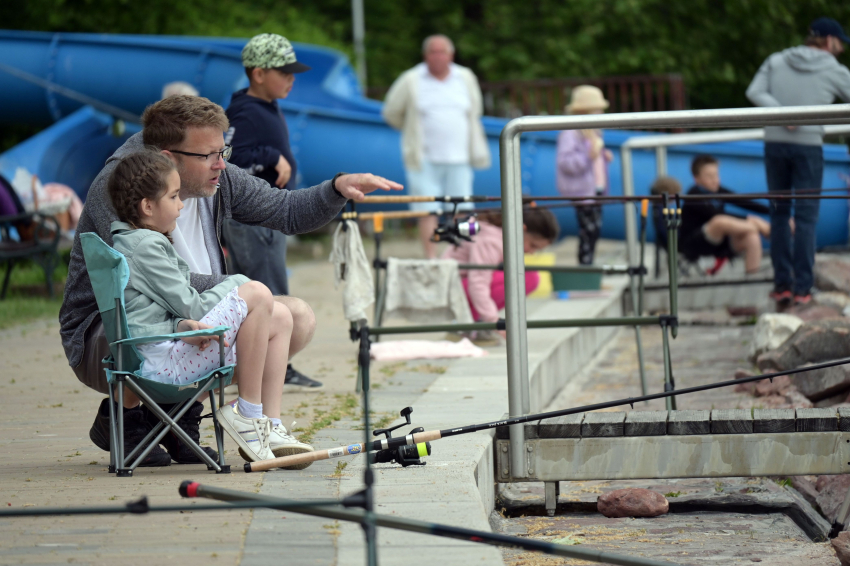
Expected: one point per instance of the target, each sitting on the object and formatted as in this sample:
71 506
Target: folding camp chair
109 275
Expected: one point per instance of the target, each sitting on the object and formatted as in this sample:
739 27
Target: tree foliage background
717 45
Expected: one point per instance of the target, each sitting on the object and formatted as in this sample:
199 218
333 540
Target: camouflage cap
271 51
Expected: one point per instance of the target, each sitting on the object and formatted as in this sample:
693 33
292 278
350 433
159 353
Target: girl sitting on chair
144 189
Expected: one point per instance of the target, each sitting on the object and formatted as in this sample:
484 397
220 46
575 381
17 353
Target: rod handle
644 207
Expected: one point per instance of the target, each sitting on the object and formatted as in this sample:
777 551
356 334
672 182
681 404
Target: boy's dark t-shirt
697 213
259 136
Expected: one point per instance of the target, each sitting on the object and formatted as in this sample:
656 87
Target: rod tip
189 488
248 469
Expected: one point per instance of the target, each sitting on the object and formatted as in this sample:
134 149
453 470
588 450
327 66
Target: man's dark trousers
799 168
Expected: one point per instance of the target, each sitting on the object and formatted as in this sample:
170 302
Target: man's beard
189 189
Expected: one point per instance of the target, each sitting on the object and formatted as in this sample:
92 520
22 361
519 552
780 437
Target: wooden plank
603 424
844 419
817 420
689 422
731 421
684 456
774 420
568 426
646 423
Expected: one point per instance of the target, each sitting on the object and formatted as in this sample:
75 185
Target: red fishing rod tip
189 488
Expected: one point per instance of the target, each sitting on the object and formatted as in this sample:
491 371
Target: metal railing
510 168
660 145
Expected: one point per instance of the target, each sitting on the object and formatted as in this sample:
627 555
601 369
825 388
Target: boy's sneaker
282 444
251 435
135 430
803 299
295 378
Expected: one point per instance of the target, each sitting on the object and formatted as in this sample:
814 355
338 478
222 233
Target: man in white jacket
437 106
793 157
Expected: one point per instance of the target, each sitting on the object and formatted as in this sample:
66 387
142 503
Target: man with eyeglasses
190 130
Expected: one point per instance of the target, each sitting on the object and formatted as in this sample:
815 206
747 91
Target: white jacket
400 112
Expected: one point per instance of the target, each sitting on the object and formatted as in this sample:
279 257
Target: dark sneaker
803 299
295 378
191 425
135 430
783 297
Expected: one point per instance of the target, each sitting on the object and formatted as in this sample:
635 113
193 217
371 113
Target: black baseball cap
823 27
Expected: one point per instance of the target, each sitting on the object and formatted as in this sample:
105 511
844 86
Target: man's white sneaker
252 435
281 443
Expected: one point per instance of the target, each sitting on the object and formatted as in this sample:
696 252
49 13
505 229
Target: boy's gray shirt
799 76
240 196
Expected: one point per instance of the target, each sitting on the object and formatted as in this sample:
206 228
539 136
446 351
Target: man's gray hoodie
240 196
799 76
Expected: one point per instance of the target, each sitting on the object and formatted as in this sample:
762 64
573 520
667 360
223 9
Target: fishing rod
329 509
431 435
194 489
812 194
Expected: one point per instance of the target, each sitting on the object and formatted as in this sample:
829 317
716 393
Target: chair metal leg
9 265
181 434
120 470
113 431
219 432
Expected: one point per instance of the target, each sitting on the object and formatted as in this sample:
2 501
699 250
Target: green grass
27 298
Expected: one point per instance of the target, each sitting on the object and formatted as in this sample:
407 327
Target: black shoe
295 378
135 430
190 422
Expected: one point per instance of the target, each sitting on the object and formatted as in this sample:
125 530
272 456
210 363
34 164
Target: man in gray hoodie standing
793 157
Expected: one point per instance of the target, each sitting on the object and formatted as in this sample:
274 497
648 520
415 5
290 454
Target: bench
42 248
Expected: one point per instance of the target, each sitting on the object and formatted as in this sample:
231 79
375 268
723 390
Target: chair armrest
217 331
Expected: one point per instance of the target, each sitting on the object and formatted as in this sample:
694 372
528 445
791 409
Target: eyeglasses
208 157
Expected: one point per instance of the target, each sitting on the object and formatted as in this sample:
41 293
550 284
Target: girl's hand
609 157
201 342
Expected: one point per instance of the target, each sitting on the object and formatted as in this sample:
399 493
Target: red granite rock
632 502
812 312
841 544
831 493
806 487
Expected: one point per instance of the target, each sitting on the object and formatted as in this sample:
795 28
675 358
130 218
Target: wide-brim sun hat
586 97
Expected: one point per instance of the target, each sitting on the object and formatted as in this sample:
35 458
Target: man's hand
358 185
284 171
201 342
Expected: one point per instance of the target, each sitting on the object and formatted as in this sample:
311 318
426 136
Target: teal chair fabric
109 275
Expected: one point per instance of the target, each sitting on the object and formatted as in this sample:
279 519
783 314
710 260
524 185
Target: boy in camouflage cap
271 51
260 139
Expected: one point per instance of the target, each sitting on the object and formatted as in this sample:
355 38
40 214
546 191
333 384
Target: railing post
515 321
629 190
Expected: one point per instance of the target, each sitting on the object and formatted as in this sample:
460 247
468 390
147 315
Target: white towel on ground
401 350
352 267
425 291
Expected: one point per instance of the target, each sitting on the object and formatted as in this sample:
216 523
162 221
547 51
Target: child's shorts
177 362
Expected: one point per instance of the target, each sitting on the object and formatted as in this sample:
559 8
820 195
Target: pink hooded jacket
486 249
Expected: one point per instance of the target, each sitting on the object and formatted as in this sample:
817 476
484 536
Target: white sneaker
281 443
252 435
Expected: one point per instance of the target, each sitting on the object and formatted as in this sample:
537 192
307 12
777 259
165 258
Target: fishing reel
455 229
408 455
